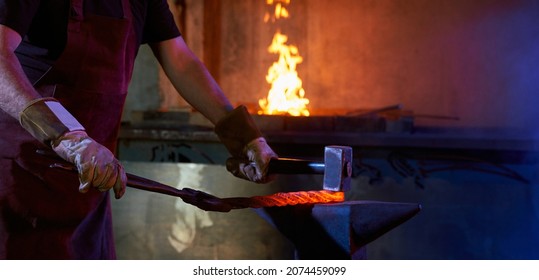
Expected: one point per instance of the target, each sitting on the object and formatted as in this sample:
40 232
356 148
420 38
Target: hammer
337 167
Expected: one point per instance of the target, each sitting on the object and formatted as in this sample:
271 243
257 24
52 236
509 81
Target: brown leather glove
48 121
250 152
97 166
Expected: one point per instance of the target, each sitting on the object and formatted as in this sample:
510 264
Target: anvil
337 230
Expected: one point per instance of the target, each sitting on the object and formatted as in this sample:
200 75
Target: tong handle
197 198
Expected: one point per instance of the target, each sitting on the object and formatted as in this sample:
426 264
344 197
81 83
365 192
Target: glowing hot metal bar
286 199
209 202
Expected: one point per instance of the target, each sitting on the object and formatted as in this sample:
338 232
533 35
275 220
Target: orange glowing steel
286 199
294 198
286 95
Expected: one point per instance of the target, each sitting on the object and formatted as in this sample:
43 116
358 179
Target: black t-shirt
45 21
43 24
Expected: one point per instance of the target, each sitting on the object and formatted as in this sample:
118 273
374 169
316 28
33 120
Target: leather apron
42 215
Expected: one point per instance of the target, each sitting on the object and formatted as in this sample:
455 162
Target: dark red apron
42 215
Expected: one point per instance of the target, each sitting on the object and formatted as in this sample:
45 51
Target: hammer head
338 168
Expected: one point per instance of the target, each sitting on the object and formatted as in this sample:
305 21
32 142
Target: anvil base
337 230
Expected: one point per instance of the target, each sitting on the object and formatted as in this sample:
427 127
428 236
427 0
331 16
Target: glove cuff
236 130
46 119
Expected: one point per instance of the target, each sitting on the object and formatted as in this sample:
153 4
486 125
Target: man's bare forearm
191 78
202 92
15 89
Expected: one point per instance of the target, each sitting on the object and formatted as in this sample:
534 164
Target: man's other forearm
15 89
191 78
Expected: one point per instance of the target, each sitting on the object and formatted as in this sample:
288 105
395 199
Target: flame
286 95
279 12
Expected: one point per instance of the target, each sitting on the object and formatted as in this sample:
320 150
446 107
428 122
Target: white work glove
49 122
250 152
255 166
97 166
